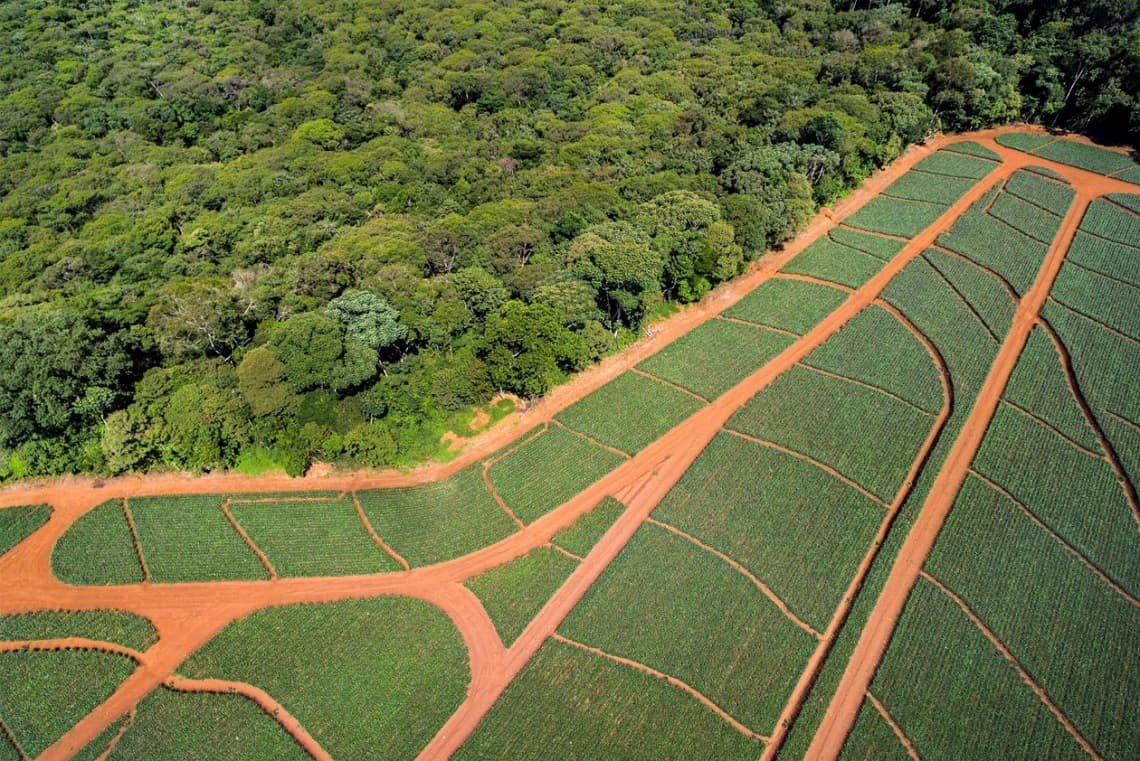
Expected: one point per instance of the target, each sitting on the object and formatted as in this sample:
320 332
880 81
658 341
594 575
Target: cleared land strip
135 540
672 680
1037 689
876 635
903 739
376 537
245 537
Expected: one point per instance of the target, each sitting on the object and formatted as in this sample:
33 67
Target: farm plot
681 610
548 470
989 299
1131 174
1107 257
629 412
875 245
798 529
970 148
940 665
716 356
1031 186
45 692
941 189
437 521
513 593
1028 142
1110 221
1025 217
986 553
899 363
894 216
828 260
953 164
873 738
784 304
17 523
377 684
312 538
98 549
572 704
581 536
1084 156
172 725
838 423
189 538
1102 298
115 626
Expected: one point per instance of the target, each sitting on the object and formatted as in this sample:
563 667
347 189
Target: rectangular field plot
993 244
16 523
437 521
866 435
716 356
829 260
1109 302
792 305
1050 610
1112 222
932 188
312 538
893 216
1106 257
898 363
971 148
955 696
1025 217
575 705
1075 494
956 165
171 724
1024 141
189 538
630 412
581 536
795 527
681 610
1084 156
1053 196
875 245
513 593
989 299
115 626
98 549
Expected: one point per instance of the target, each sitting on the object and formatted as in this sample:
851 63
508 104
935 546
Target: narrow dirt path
384 546
245 537
903 739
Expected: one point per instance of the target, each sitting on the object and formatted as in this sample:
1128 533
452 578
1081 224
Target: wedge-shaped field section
788 305
369 678
113 626
17 523
1081 155
845 256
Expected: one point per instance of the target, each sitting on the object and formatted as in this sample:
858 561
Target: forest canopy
249 231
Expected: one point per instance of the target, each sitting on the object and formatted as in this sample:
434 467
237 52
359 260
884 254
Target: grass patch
257 461
17 523
513 593
116 626
97 549
630 412
389 668
792 305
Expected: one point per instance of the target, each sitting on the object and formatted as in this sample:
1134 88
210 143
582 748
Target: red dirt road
188 615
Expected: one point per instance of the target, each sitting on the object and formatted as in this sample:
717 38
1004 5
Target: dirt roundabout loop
187 615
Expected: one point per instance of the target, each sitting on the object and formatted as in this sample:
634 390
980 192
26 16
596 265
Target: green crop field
1024 141
581 536
987 296
893 216
538 477
513 593
390 668
971 148
1084 156
951 164
1030 186
1107 257
917 185
716 356
828 260
630 412
115 626
1102 298
875 245
312 538
1025 217
98 549
873 738
438 521
791 305
1109 221
17 523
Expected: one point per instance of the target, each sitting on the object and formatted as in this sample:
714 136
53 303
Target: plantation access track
187 615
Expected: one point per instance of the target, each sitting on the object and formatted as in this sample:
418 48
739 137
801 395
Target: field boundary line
1014 296
562 550
1103 326
1034 204
72 643
493 461
866 231
384 546
245 537
1037 689
810 460
671 680
1054 430
262 700
1122 419
1120 206
894 197
6 731
815 280
1060 539
1105 275
1105 443
870 386
644 373
1036 170
961 297
130 518
130 720
1106 239
1000 190
953 148
755 324
849 247
903 739
739 568
587 437
1014 227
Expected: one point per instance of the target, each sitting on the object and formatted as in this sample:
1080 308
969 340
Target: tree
204 315
368 320
261 380
617 260
527 349
312 349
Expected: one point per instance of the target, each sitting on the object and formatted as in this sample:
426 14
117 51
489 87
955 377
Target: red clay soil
187 615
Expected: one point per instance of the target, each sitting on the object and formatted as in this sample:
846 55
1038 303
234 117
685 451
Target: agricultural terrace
876 501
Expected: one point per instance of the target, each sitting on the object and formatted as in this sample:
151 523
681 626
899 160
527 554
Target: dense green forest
239 233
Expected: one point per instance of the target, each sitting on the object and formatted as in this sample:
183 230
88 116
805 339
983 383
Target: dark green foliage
390 667
16 523
872 737
973 149
98 549
513 593
875 245
792 305
985 295
1085 156
115 626
581 536
828 260
1102 298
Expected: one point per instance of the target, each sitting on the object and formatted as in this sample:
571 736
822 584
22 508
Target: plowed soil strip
809 459
4 730
263 700
1038 690
376 537
876 635
71 643
1057 537
135 540
671 384
1054 430
736 566
249 541
672 680
1105 444
903 739
591 439
868 386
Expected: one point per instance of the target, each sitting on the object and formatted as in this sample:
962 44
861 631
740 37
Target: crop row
630 412
1032 187
1102 298
1084 156
1025 217
1106 257
792 305
1108 221
717 355
973 149
98 549
116 626
953 164
371 678
828 260
17 523
939 189
1028 142
875 245
893 216
514 592
581 536
987 296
